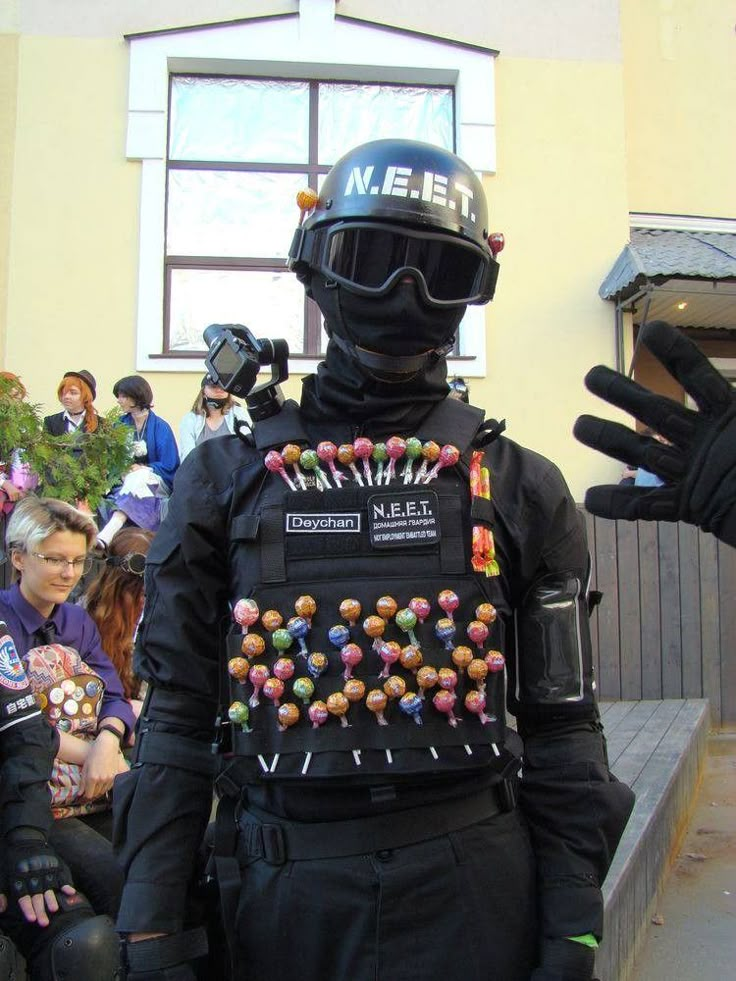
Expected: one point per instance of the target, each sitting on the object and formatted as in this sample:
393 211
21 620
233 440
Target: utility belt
288 841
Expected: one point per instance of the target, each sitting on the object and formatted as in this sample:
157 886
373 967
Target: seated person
76 392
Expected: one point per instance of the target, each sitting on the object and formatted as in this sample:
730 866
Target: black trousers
457 907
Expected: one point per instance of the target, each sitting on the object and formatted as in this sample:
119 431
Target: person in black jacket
77 391
331 603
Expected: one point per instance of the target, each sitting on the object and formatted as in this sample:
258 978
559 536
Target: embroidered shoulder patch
398 520
12 675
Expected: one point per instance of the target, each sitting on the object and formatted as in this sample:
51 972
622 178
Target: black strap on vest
227 871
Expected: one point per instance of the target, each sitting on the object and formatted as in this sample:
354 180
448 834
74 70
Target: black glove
164 958
30 864
699 467
565 960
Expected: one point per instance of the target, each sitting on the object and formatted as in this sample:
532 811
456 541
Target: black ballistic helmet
395 206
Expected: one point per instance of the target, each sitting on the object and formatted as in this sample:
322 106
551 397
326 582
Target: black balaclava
398 325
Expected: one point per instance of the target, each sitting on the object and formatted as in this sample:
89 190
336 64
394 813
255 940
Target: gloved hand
565 960
164 958
699 467
32 872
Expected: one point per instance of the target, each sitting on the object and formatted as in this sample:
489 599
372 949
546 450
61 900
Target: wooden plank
669 580
689 558
629 766
620 738
615 713
609 676
651 636
629 616
727 593
590 533
710 614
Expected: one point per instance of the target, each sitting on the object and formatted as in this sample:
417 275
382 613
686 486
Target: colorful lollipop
475 702
339 635
477 632
413 452
273 688
461 657
281 639
253 645
310 461
245 613
238 667
338 705
318 714
406 620
389 652
395 448
448 601
495 661
363 448
420 607
275 463
447 679
449 455
272 620
486 613
477 671
430 454
258 676
445 630
298 628
350 610
239 713
376 701
426 679
346 456
386 607
351 656
444 701
374 626
287 715
317 663
284 668
411 658
290 455
353 690
411 704
303 688
327 452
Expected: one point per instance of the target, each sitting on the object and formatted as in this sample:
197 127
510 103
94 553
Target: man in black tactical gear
52 925
372 824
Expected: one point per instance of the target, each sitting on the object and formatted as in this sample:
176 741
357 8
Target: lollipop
303 688
445 630
380 455
374 627
258 676
461 657
305 606
353 690
306 200
406 621
477 632
287 715
239 713
430 454
449 455
363 449
339 635
495 661
245 613
376 701
317 663
237 667
350 610
477 671
290 455
327 452
273 688
318 714
486 613
350 655
444 701
272 620
253 645
447 679
389 652
298 628
420 607
413 452
338 705
475 702
395 449
283 669
310 461
346 456
386 607
411 658
426 679
274 462
394 686
281 639
411 704
448 601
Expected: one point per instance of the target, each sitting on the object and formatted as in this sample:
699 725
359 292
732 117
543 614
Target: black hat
87 377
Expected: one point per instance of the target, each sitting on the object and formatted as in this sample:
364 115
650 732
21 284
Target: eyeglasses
133 562
369 258
58 564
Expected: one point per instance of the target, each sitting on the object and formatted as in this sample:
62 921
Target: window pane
352 114
271 304
238 119
231 213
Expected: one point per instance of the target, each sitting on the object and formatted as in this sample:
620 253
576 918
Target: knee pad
9 964
89 950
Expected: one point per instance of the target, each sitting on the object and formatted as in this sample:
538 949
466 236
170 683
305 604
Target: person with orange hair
114 600
76 392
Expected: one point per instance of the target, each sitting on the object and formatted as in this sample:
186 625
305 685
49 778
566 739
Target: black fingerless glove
697 464
565 960
31 865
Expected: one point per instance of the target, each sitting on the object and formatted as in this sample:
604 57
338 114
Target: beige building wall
570 140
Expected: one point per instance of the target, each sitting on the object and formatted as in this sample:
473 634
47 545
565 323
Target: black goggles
133 562
368 259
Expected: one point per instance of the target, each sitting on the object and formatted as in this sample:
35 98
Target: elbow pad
553 657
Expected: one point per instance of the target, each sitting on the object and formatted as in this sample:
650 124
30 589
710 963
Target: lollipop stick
494 747
264 765
356 757
433 751
307 761
389 756
274 764
468 750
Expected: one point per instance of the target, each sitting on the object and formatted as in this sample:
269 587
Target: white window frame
291 46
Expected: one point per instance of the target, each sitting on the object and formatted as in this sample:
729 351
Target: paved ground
693 933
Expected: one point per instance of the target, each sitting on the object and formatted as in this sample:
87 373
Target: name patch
398 520
314 523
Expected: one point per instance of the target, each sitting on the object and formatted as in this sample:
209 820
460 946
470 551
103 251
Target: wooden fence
666 627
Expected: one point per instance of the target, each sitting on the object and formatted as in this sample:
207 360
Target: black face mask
215 403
